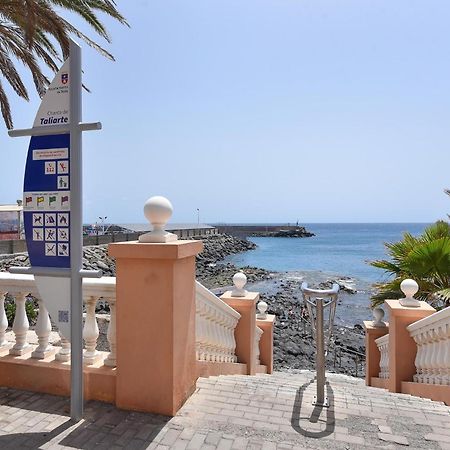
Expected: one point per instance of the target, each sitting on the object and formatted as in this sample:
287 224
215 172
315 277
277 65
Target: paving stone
232 413
437 437
401 440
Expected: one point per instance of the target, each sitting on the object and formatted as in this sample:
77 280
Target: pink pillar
245 330
266 342
402 348
372 352
155 324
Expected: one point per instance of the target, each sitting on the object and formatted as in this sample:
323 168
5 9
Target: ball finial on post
262 310
239 280
378 315
158 210
409 288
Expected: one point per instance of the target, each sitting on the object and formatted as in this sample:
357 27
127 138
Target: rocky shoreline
293 344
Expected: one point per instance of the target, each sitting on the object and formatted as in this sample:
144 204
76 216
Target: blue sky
265 111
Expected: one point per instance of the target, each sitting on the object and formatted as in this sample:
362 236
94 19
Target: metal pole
76 238
320 354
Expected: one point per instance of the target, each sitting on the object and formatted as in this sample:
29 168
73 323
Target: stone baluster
111 335
90 333
20 327
199 333
233 339
446 370
64 354
3 321
223 338
383 347
440 362
427 372
418 362
382 361
43 329
258 335
434 363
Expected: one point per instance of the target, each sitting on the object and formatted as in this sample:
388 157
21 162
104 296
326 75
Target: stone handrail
383 346
20 287
215 324
432 336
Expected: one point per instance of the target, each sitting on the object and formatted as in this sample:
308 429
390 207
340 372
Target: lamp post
198 216
103 223
322 299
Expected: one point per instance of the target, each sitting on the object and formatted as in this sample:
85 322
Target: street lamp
103 223
318 301
198 216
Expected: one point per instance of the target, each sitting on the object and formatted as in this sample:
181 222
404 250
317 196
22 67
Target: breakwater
244 231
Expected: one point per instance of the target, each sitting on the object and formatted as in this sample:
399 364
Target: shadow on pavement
104 426
314 416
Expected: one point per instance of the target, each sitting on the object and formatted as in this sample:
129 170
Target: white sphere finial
409 288
239 280
262 308
378 315
158 210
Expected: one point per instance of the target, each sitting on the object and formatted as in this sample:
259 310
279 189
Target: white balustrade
383 346
258 334
20 286
215 324
432 336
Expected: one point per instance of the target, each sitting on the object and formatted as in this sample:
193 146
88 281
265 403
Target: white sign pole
76 235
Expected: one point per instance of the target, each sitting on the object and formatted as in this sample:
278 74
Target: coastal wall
8 247
255 230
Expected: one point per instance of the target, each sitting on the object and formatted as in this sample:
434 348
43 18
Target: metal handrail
317 327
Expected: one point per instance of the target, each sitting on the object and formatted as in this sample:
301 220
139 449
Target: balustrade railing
215 324
20 287
432 336
383 346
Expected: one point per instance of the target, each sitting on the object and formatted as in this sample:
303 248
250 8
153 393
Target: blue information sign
46 201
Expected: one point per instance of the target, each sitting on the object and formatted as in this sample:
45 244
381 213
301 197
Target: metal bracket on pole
53 272
54 129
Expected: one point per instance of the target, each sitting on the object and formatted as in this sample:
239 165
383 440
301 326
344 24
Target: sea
338 251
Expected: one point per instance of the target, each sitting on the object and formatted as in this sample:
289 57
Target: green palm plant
34 33
426 259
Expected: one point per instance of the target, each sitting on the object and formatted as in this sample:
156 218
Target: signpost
52 203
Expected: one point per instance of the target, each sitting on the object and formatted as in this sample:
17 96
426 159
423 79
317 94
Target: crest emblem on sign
64 78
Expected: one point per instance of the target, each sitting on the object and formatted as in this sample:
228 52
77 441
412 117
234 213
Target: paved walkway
235 412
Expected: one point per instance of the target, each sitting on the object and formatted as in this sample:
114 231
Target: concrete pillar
372 352
245 330
155 324
402 348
